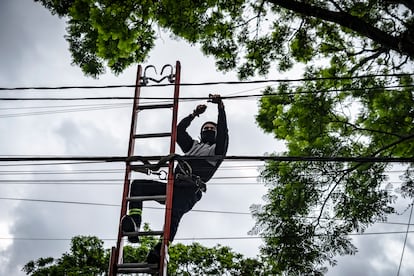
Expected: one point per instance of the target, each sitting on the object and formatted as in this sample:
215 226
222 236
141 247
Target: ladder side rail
170 183
116 254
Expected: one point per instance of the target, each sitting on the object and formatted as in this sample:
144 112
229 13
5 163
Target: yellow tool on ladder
117 266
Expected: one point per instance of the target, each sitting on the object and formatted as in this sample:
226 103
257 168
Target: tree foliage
353 100
88 257
247 35
196 259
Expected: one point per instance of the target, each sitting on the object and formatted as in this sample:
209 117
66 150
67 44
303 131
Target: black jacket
204 168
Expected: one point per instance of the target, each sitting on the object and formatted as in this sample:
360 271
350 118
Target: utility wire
58 181
103 183
93 171
65 110
51 164
209 238
405 239
198 98
161 208
122 170
104 159
112 205
201 83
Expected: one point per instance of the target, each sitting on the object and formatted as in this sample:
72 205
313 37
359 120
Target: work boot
128 225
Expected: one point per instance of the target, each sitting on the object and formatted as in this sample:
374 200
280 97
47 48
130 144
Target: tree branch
368 58
401 140
408 3
399 44
332 190
345 172
365 129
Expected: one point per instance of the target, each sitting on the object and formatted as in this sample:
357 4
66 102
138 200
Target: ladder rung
152 135
149 268
144 198
135 270
143 233
138 265
155 106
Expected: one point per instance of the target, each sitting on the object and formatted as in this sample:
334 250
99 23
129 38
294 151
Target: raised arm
222 136
184 140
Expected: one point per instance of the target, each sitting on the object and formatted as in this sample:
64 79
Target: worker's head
208 132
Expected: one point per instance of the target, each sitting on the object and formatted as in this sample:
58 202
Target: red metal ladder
116 265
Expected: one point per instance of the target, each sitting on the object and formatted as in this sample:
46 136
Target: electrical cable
90 171
198 98
162 209
111 205
105 159
50 164
203 83
120 180
121 171
63 106
96 106
12 115
405 239
119 183
210 238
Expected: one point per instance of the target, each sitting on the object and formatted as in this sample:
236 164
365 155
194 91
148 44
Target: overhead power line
105 171
200 83
223 168
361 159
96 180
162 208
405 239
111 205
233 97
63 110
208 238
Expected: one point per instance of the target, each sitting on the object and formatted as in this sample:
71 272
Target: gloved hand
199 109
215 98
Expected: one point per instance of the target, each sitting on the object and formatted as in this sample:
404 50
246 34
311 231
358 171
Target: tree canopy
247 35
354 100
87 256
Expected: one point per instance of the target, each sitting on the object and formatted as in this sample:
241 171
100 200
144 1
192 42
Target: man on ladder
190 176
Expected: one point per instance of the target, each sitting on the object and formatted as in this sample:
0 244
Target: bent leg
143 187
184 200
132 221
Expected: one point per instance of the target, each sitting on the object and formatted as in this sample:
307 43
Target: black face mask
208 136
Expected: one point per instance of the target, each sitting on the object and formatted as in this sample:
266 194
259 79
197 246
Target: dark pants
185 196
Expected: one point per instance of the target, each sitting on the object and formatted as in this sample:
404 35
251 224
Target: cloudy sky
34 53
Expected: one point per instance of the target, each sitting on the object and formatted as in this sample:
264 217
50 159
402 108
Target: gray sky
34 53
